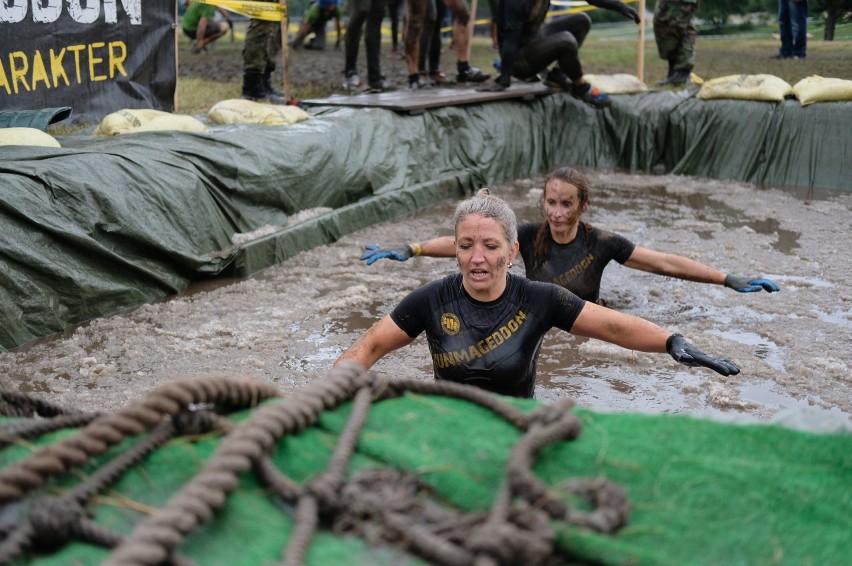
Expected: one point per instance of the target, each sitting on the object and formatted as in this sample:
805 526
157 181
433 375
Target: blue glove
373 253
687 354
750 284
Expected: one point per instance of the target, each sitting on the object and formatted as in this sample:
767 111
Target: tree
835 11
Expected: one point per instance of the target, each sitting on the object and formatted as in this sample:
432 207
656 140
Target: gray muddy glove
687 354
750 284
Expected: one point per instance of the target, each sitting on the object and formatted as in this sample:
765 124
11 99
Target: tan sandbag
746 87
27 136
818 89
619 83
145 119
241 111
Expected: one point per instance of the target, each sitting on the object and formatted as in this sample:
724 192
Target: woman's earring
511 265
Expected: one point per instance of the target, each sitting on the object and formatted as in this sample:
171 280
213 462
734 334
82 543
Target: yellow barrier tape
269 11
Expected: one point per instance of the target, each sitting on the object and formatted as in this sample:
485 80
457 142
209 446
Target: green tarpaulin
101 225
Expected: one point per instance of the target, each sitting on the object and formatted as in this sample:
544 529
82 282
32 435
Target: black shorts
212 29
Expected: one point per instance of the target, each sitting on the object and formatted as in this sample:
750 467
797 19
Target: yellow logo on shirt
450 323
481 348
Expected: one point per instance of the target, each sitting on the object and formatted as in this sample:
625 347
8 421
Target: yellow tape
269 11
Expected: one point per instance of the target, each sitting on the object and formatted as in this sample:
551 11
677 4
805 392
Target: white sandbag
241 111
145 119
746 87
619 83
818 89
27 136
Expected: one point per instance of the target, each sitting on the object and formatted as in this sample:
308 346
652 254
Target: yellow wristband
416 249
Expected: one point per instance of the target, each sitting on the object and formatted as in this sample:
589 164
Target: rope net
383 506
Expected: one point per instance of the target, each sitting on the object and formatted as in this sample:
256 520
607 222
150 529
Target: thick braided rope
22 404
326 487
52 521
12 432
152 541
550 425
17 479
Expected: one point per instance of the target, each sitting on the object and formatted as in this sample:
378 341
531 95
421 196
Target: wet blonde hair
487 205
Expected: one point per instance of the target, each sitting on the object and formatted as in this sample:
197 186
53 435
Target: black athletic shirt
492 345
578 265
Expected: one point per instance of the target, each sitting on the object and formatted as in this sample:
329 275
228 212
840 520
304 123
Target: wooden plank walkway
417 101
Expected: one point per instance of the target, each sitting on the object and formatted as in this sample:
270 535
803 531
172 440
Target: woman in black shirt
485 326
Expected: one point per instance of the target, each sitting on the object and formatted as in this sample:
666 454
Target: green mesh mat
701 492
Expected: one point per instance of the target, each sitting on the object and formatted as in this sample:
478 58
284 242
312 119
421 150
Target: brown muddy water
289 323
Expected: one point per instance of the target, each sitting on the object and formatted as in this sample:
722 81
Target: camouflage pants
262 45
674 33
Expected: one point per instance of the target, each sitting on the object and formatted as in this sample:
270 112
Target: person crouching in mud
485 326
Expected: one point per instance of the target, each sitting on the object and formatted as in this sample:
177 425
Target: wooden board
416 101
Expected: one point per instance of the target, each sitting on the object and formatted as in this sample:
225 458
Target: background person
485 326
199 25
528 46
260 50
793 29
317 15
573 254
675 37
416 11
366 17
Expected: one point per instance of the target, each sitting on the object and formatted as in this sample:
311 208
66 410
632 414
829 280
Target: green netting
702 492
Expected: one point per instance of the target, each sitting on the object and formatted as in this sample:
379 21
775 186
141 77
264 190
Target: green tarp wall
701 492
102 225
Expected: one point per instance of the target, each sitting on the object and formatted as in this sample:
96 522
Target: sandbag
146 120
241 111
27 136
746 87
818 89
619 83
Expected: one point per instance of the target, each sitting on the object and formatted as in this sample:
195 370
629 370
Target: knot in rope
197 419
55 521
524 540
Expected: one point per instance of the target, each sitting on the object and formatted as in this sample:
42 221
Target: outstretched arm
673 266
684 268
381 339
443 246
627 11
636 333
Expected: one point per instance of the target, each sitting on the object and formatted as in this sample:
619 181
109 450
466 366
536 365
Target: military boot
253 86
273 95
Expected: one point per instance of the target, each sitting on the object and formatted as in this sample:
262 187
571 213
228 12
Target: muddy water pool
288 323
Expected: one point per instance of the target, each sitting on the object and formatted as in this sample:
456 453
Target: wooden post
640 64
285 48
470 26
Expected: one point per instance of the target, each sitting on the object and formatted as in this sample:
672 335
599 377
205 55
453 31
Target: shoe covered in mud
472 75
591 96
352 82
380 85
557 79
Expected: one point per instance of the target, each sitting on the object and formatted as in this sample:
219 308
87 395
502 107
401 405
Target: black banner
96 56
